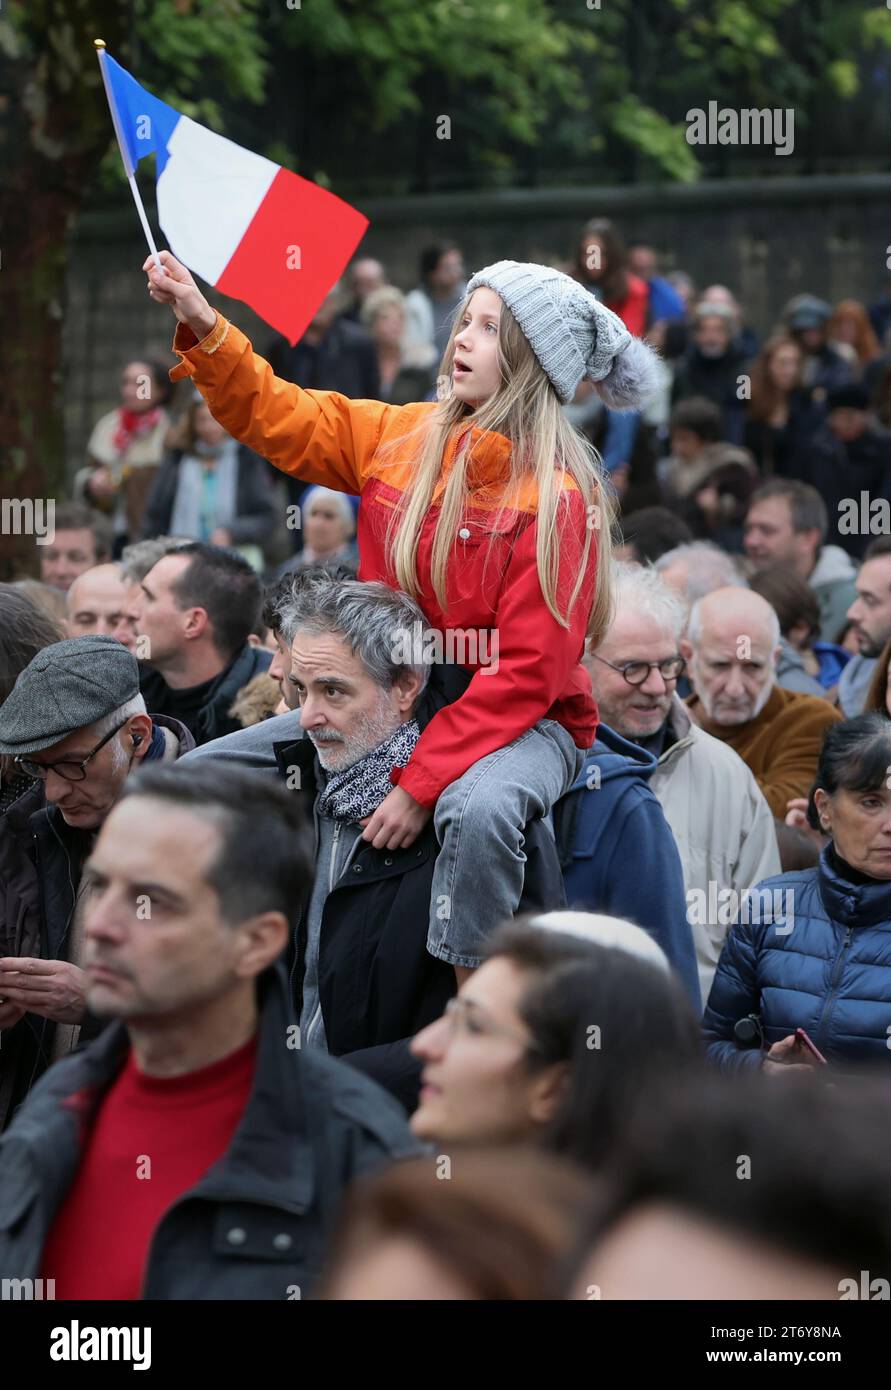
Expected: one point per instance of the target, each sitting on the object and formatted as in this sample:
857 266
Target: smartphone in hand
803 1040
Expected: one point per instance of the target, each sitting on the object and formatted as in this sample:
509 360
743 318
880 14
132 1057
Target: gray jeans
479 821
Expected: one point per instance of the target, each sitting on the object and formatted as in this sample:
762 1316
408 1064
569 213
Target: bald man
732 645
99 604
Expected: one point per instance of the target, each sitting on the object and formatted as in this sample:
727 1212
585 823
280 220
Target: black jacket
378 984
213 719
839 471
345 361
255 511
41 860
310 1126
716 378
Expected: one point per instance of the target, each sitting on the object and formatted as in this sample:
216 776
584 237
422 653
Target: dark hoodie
618 854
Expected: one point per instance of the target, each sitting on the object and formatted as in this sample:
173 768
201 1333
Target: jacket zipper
834 982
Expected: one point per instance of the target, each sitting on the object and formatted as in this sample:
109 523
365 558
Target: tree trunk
56 128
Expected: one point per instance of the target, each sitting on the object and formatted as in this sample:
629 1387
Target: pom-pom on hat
573 335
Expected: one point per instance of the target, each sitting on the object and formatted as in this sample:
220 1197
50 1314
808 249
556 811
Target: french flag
254 230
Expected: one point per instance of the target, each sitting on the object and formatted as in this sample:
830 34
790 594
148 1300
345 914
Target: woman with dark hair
601 265
798 609
495 1226
781 416
570 1023
812 950
25 629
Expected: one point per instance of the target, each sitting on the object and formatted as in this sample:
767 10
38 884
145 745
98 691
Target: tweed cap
67 686
572 334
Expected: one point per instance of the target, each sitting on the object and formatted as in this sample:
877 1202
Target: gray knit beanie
573 335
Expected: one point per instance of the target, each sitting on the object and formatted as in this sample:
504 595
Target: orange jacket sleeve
319 436
536 657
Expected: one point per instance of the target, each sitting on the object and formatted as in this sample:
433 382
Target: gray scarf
357 792
186 518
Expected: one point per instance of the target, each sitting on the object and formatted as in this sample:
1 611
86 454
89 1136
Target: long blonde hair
544 445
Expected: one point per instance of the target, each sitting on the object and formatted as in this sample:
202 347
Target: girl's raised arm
320 436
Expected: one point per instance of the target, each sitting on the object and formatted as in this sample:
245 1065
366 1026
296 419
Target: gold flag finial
98 43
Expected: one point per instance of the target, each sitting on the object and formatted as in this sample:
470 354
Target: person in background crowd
609 820
786 524
870 618
364 277
210 488
328 523
732 645
851 334
745 338
498 1229
648 533
802 657
251 1140
512 1060
25 629
407 371
601 265
99 603
126 447
430 308
693 428
812 1211
806 319
198 606
141 556
721 823
849 456
878 699
814 952
76 724
51 601
782 416
714 367
81 540
697 569
333 354
664 304
716 508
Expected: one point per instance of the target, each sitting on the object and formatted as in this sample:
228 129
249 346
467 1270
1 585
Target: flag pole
129 167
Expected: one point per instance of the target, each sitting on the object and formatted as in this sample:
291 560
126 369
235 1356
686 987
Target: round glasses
636 672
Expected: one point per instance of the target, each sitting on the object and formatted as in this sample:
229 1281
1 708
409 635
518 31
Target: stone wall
768 240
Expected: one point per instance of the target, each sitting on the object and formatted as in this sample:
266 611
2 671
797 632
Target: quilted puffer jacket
814 954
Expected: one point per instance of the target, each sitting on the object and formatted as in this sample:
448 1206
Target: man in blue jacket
618 854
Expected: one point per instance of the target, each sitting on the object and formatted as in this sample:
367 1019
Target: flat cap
67 686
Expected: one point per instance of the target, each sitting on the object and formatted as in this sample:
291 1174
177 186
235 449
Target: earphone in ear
137 739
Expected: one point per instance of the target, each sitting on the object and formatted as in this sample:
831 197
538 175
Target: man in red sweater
193 1150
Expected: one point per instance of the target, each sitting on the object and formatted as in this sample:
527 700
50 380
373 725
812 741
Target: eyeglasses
71 771
636 672
459 1014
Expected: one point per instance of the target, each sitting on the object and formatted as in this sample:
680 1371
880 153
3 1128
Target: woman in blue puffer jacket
812 950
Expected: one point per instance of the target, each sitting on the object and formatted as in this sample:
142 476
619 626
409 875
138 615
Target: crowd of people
344 957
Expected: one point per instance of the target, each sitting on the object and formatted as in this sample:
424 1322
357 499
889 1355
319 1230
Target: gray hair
140 557
117 716
335 499
380 625
708 568
641 589
694 627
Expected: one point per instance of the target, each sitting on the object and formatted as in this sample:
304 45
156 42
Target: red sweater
152 1139
326 438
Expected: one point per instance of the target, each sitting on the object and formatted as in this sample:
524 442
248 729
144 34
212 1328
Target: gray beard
336 755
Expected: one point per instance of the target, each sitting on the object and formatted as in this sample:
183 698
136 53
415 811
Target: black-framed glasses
71 771
636 672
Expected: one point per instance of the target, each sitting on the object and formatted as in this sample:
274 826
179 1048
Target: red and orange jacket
323 437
